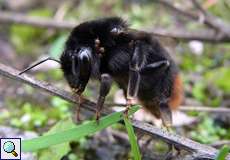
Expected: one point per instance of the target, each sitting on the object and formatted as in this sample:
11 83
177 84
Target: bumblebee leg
129 103
78 108
78 97
106 82
82 84
156 67
133 86
166 116
136 62
81 73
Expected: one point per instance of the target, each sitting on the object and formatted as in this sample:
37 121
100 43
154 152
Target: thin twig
184 35
8 17
205 35
187 108
209 20
220 143
24 78
199 7
180 142
220 109
179 11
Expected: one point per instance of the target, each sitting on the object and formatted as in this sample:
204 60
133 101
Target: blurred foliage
57 46
220 77
219 7
27 38
210 73
31 116
207 131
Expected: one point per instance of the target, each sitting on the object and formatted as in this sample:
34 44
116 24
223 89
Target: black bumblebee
108 50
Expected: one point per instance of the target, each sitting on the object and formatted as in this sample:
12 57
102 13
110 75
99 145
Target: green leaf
132 139
74 133
223 153
57 151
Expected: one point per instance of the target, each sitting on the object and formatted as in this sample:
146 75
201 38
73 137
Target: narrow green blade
75 133
223 153
132 139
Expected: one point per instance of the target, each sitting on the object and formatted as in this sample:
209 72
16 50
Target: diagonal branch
206 35
9 18
209 20
181 142
188 108
199 7
220 109
181 12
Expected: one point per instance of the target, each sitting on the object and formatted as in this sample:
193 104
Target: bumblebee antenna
38 63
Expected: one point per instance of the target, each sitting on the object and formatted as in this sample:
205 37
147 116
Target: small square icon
10 149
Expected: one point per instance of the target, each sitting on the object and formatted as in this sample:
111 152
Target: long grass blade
75 133
223 153
132 138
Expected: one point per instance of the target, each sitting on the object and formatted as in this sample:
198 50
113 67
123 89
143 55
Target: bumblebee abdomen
176 96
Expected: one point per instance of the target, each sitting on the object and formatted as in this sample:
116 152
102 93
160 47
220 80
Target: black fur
155 85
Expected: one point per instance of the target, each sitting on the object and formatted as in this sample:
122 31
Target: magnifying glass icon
9 147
